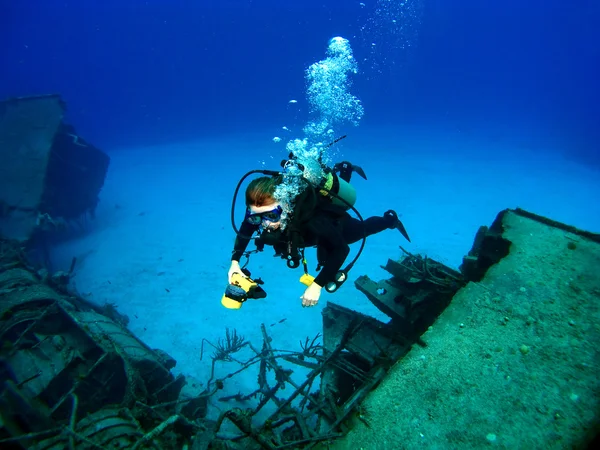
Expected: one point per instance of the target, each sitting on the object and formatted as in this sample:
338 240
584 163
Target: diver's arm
242 240
336 248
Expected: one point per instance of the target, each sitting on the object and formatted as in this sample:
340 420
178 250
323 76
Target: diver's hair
261 191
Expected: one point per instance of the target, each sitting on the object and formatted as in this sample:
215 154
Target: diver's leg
355 229
345 169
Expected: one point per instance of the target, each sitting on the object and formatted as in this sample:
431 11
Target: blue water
469 107
138 72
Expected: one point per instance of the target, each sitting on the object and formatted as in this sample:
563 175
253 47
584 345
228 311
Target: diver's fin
397 224
402 230
345 169
359 171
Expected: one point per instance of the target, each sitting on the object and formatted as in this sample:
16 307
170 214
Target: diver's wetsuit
330 233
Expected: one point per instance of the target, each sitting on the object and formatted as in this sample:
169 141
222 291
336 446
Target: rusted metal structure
72 377
49 175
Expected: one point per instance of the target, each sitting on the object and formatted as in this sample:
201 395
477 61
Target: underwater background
468 108
147 72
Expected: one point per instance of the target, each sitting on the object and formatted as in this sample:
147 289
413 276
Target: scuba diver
319 218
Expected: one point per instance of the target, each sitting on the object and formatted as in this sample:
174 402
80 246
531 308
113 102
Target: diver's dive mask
257 218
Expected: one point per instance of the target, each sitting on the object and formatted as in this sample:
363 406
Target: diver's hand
311 295
235 267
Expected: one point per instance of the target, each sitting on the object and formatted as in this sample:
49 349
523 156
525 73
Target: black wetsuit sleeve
242 240
336 249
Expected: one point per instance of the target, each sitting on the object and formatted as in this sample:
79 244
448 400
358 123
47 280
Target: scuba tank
338 190
325 180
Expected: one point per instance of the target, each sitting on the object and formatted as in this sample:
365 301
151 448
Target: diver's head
261 191
261 206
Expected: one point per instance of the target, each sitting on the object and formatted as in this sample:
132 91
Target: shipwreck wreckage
73 376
